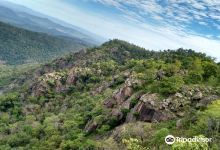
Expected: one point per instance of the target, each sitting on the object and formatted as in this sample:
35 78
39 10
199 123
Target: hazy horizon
153 24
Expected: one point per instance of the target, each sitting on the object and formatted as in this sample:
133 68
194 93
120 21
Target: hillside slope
116 96
23 17
19 46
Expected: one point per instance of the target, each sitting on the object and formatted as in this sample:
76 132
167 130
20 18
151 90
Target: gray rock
179 123
109 103
206 100
179 95
198 96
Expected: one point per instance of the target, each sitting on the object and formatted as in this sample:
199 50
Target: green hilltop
116 96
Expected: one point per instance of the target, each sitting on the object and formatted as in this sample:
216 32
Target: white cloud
170 34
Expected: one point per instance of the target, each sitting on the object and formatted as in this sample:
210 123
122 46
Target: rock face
121 95
149 107
126 104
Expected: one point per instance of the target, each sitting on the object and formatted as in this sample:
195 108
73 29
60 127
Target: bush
159 137
210 69
190 145
170 85
134 144
194 77
125 111
133 102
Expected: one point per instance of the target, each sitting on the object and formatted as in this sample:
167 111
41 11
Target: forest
114 96
19 46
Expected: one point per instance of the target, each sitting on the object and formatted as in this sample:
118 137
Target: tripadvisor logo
170 139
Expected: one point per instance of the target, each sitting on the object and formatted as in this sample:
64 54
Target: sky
152 24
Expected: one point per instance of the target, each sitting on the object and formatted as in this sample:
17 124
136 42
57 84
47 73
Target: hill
26 18
116 96
19 46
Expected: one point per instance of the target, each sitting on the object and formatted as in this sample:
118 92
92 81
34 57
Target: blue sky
153 24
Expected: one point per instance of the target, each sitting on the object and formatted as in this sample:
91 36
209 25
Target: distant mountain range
19 46
26 18
27 36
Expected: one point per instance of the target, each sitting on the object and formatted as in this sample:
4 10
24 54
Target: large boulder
150 99
152 113
122 94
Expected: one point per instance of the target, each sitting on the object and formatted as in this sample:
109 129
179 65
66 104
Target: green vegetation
191 145
134 144
19 46
85 101
9 73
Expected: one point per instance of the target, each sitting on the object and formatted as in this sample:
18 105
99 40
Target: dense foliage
63 106
9 73
19 46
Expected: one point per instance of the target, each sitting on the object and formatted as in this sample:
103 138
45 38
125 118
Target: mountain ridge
28 19
22 46
113 96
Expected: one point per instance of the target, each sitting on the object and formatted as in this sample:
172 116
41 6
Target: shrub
159 137
190 145
134 144
125 111
170 85
194 77
133 102
210 69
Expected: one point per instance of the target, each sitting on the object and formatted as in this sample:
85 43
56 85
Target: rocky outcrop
149 107
206 100
122 94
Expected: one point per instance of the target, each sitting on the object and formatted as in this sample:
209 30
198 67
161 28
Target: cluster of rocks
42 84
150 107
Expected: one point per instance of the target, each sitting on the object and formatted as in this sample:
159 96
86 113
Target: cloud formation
182 14
153 24
186 23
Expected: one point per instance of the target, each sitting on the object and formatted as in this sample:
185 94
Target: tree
210 69
196 71
159 137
